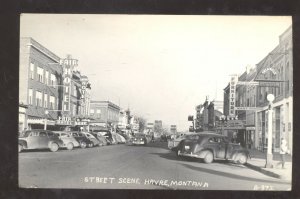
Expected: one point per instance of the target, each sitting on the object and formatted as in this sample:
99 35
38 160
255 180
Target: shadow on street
230 175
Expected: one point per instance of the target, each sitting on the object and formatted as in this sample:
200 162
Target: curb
263 171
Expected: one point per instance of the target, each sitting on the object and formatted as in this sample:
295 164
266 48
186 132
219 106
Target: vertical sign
232 90
68 65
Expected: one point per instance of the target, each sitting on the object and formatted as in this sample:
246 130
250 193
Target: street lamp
270 98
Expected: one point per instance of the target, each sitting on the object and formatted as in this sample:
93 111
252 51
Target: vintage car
39 139
93 139
82 139
100 138
68 140
174 141
210 147
139 139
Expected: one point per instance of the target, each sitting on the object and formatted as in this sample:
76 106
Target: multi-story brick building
274 73
276 66
40 73
104 113
47 86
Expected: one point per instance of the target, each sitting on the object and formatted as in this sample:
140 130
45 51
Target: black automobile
106 133
210 147
139 139
82 139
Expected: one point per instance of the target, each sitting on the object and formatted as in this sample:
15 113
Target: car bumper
189 155
138 143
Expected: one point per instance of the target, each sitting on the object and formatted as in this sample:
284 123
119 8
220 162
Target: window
92 111
39 99
31 70
67 90
45 100
43 134
40 72
98 111
47 78
52 80
30 98
75 91
52 102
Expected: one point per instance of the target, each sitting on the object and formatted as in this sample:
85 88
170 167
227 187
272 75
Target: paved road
135 167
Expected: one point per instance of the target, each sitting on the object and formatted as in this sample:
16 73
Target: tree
142 123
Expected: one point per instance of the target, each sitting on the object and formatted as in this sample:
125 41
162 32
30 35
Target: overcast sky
161 66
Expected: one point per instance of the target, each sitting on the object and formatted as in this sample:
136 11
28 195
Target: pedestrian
283 151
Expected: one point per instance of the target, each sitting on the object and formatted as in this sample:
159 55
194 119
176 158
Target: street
135 167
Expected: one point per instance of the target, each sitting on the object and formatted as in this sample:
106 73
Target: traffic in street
127 166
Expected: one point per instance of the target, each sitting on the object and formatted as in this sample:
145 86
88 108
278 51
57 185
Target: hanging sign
232 91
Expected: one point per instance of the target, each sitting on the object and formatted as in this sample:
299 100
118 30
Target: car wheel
91 145
177 153
20 147
54 147
70 146
209 157
83 145
242 158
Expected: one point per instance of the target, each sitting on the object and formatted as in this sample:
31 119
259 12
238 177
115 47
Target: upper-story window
39 96
92 111
45 100
47 78
40 73
52 102
30 96
31 74
52 80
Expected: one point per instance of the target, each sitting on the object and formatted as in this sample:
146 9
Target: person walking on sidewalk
283 151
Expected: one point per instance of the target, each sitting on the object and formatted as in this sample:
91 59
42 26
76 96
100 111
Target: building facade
277 71
104 113
47 89
272 75
40 75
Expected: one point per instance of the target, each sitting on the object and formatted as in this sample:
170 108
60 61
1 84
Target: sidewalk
258 161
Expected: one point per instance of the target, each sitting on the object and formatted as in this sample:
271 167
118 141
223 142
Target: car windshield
139 135
25 134
192 137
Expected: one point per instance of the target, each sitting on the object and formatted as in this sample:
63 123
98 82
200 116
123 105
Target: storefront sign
232 90
247 108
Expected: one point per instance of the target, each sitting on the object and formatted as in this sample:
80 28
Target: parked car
174 141
107 134
81 138
210 147
100 137
39 139
69 141
94 141
139 139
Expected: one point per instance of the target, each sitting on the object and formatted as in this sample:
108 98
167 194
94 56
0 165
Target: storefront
279 130
22 117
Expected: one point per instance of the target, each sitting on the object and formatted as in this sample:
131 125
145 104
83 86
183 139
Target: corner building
40 73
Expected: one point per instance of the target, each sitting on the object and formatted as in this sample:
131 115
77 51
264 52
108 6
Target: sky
160 66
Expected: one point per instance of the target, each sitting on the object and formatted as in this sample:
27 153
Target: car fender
235 152
58 142
203 152
23 143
